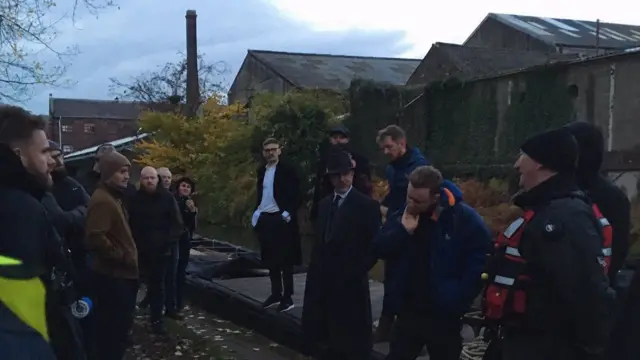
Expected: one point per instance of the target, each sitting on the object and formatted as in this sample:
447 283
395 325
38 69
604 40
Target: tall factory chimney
193 86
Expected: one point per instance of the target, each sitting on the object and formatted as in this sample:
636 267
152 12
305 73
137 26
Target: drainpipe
612 98
60 133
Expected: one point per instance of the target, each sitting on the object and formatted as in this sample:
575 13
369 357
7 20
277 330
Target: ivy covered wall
467 129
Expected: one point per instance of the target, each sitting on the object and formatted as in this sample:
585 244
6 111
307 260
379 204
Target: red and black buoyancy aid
506 291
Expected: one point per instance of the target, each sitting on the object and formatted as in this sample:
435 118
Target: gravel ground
203 336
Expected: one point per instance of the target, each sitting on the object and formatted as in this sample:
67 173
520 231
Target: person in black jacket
611 200
339 141
550 263
29 246
67 202
185 188
275 222
156 226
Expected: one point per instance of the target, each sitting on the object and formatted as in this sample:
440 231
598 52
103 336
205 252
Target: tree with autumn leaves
221 148
211 148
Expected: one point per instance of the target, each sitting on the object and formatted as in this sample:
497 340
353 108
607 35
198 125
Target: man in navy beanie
548 263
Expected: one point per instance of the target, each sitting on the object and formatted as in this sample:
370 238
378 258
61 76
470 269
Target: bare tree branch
27 32
169 82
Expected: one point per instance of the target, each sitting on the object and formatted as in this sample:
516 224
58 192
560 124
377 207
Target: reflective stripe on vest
506 292
607 234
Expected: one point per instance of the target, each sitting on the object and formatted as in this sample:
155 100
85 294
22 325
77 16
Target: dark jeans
114 301
280 276
439 332
170 280
160 279
184 251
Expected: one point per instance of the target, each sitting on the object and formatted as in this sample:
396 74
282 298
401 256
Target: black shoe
271 301
174 315
158 329
286 304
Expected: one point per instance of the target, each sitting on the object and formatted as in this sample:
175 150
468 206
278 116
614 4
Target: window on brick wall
67 148
67 128
90 128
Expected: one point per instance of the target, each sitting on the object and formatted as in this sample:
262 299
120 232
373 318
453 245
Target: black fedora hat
339 162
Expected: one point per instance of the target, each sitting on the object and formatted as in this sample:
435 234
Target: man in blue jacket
443 244
402 161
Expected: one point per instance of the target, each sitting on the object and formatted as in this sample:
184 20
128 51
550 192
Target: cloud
145 34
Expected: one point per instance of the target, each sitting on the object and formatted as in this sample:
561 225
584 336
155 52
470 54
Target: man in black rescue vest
547 286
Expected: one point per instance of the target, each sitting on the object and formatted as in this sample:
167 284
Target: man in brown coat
113 261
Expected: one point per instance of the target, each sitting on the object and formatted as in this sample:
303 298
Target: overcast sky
144 34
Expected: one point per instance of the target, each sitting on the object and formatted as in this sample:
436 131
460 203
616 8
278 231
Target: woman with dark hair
184 189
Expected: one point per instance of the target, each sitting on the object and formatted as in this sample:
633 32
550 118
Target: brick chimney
193 86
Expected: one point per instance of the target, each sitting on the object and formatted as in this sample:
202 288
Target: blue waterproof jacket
457 242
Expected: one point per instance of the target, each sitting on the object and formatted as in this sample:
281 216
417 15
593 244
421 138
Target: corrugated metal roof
102 109
335 72
575 33
476 62
118 144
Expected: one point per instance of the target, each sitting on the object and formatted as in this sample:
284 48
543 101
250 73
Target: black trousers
114 301
184 251
439 332
275 250
281 280
66 336
160 278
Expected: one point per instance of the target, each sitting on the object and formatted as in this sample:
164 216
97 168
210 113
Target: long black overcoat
337 306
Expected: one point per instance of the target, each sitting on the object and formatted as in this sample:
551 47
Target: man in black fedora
338 140
337 307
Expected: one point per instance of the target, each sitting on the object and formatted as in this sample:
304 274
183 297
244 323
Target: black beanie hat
556 150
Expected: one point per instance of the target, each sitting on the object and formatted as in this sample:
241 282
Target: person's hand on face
410 221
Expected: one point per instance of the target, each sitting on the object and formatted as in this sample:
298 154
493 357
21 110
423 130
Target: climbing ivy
539 101
376 105
457 123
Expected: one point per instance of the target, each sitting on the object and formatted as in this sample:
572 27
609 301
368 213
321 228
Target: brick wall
79 136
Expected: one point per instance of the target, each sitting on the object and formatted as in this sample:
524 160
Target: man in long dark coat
337 307
276 224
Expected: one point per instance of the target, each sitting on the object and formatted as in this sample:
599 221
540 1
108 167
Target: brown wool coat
108 238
